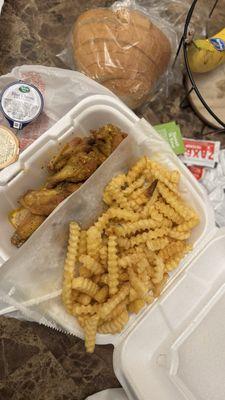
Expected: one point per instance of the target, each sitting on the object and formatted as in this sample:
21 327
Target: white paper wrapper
36 271
214 183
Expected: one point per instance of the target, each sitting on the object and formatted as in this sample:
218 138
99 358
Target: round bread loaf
121 49
132 92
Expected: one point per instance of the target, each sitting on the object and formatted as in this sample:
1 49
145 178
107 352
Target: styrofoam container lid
177 350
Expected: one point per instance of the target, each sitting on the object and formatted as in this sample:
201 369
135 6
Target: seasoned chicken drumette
44 201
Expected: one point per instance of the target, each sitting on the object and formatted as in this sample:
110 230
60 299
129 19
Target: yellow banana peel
204 55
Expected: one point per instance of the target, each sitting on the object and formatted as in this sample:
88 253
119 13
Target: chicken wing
107 138
44 201
75 146
78 168
26 228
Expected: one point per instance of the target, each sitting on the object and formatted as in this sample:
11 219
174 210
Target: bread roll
110 64
132 92
121 49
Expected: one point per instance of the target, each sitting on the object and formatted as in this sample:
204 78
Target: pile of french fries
122 262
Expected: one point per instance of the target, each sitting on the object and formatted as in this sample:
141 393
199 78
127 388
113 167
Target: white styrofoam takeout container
152 356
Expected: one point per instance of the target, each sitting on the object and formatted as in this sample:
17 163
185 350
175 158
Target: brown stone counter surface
36 362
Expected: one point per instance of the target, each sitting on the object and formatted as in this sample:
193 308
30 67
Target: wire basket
184 43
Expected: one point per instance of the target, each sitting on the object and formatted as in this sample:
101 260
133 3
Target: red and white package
197 171
203 153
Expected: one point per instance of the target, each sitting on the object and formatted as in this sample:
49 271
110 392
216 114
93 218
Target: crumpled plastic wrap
31 281
214 182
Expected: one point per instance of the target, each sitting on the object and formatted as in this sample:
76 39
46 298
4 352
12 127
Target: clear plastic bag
126 47
130 47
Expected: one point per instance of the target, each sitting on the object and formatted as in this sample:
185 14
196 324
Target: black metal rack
184 42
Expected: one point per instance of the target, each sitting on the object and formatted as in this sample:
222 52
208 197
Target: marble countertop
36 362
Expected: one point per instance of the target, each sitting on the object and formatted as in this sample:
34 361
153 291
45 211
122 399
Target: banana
204 55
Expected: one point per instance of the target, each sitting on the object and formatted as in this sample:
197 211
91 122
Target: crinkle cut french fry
159 286
123 277
85 272
113 190
122 214
93 242
174 234
185 211
175 177
127 261
116 311
142 264
102 221
69 265
136 170
90 329
137 284
103 254
144 277
133 295
115 325
157 244
79 309
113 269
107 307
171 176
172 249
159 174
102 294
116 184
136 306
85 285
169 212
149 299
82 249
188 225
136 203
158 270
135 185
130 228
83 299
146 211
91 264
142 238
173 262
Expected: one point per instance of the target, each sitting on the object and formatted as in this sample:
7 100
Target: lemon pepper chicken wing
25 229
107 138
78 168
75 146
44 201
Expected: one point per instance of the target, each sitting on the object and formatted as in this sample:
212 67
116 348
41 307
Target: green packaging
172 134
